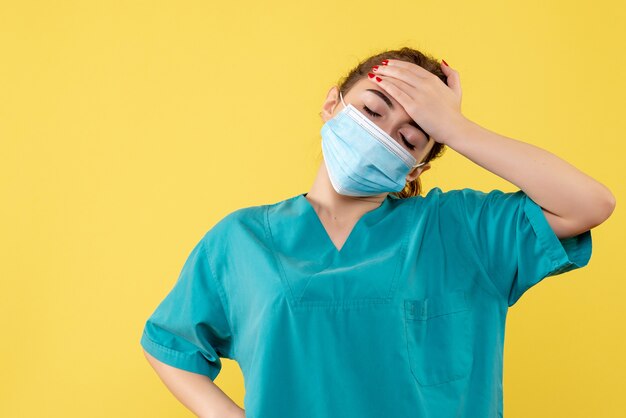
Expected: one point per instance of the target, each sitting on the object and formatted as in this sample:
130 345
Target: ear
417 172
330 104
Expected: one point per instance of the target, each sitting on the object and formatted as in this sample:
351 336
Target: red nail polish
385 62
374 68
378 79
370 75
444 61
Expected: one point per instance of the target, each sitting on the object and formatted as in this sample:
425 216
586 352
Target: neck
325 197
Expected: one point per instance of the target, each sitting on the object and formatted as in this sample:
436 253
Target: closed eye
367 109
376 115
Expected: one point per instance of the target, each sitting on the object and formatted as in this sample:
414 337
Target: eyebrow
390 105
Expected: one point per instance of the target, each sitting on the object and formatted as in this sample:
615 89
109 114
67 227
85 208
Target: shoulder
438 197
242 218
238 229
467 198
457 205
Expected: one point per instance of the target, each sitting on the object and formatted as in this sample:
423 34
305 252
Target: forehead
365 88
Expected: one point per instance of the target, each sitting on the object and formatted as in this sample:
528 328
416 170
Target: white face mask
361 158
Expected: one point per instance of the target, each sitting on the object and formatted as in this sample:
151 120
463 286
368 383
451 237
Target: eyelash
374 114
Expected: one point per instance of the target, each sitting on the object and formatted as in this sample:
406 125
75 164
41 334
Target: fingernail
444 61
374 68
378 79
370 75
385 62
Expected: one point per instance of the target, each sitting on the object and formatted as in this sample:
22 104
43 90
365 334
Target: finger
453 79
414 68
397 89
407 75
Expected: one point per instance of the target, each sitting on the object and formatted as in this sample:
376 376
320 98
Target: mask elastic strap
341 96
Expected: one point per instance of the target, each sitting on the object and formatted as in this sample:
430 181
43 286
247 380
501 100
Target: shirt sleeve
515 241
189 329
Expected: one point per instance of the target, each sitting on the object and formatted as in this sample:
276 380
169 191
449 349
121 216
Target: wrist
462 129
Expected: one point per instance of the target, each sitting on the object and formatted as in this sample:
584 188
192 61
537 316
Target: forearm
197 392
553 183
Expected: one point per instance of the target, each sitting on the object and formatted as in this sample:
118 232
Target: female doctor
362 297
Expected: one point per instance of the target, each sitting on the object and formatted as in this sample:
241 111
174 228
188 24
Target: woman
363 298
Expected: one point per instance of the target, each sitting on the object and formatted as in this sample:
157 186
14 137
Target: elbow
604 210
612 202
609 207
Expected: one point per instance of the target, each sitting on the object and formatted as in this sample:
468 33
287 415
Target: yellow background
129 128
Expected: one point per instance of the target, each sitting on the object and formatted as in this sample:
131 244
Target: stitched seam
542 234
224 302
168 349
503 298
270 240
199 367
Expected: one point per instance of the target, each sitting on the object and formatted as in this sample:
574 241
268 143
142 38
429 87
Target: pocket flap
436 305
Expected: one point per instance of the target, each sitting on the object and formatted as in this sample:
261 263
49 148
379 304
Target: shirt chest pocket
438 337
